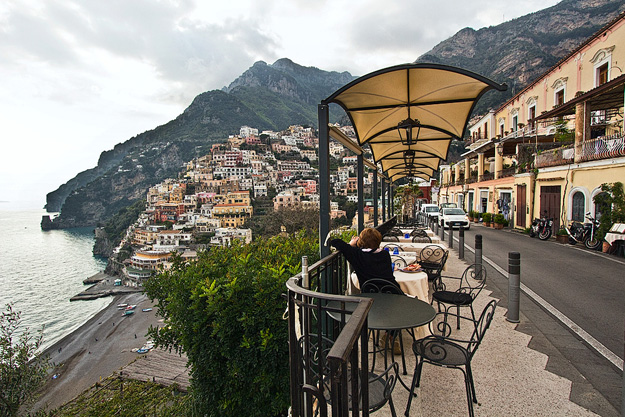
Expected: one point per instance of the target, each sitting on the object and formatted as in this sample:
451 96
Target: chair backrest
482 324
395 231
473 280
390 239
380 285
421 239
433 254
391 247
418 233
398 261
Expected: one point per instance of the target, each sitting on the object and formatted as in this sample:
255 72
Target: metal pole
360 167
461 243
478 252
383 196
514 286
451 235
324 178
375 198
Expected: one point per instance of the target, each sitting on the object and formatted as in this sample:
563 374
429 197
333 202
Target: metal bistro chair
378 285
314 351
470 285
398 261
419 233
432 259
389 238
421 239
444 351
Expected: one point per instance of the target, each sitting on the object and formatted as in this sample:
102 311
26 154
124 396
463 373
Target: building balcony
604 147
555 157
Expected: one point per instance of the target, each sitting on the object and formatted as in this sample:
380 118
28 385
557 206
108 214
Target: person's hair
369 238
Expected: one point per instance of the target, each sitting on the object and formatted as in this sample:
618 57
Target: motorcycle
584 233
534 227
545 227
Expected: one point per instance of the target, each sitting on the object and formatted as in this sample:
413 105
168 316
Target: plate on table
411 270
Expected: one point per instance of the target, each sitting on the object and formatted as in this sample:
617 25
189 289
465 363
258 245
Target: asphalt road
586 286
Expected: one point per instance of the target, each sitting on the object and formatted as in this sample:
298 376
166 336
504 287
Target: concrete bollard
514 286
461 243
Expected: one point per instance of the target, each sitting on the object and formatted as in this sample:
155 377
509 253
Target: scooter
584 233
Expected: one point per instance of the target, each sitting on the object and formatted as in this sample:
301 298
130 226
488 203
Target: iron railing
328 341
604 147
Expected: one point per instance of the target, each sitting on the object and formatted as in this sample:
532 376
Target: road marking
594 343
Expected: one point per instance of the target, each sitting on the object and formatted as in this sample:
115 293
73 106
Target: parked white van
430 210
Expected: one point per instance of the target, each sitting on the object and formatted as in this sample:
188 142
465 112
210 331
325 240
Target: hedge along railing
605 147
328 358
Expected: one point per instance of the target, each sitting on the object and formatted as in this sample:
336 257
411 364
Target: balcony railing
605 147
507 172
487 176
328 358
554 157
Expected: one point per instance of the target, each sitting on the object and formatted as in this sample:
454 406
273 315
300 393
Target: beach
97 349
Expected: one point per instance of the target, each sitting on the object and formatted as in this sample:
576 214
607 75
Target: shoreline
98 348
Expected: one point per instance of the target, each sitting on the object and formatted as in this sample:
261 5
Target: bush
225 312
499 219
486 217
611 204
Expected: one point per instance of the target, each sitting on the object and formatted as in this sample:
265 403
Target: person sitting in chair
366 257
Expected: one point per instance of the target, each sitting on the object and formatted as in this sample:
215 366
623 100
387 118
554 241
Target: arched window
600 203
579 205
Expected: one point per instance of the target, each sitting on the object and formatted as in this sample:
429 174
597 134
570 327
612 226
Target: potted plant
470 215
562 236
486 218
499 221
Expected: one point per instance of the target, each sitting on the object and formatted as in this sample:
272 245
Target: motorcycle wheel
593 244
572 241
532 233
544 234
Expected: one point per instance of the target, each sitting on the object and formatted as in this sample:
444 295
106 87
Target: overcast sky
78 77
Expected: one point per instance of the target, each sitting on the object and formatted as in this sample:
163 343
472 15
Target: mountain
284 93
267 97
519 51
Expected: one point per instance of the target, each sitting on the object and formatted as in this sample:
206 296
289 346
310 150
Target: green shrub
486 217
225 312
499 219
611 204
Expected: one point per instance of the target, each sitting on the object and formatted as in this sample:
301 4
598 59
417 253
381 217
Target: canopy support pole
375 198
324 178
361 192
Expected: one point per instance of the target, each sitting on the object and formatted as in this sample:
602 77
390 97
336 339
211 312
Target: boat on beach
127 313
146 309
122 306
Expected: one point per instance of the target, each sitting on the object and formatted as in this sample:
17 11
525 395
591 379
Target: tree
225 311
22 368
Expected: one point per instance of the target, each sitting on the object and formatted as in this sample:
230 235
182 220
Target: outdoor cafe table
391 312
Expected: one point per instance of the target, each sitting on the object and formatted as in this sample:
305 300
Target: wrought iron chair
391 247
378 285
398 261
389 238
432 259
419 233
444 351
421 239
470 285
314 351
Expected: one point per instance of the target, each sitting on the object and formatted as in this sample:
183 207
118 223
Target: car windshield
430 209
453 211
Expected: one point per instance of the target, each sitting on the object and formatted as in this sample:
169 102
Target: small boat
146 309
131 307
127 313
143 350
122 306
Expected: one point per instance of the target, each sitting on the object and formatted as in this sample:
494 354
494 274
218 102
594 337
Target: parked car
445 205
454 215
430 210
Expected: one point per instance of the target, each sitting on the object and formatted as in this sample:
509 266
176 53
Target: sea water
40 271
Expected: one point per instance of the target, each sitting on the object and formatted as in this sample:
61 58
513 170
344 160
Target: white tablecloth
611 237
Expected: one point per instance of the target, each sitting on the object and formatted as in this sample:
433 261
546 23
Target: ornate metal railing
604 147
328 349
487 176
507 172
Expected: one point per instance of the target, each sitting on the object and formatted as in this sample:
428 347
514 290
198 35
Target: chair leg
415 382
467 385
458 317
470 374
390 404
